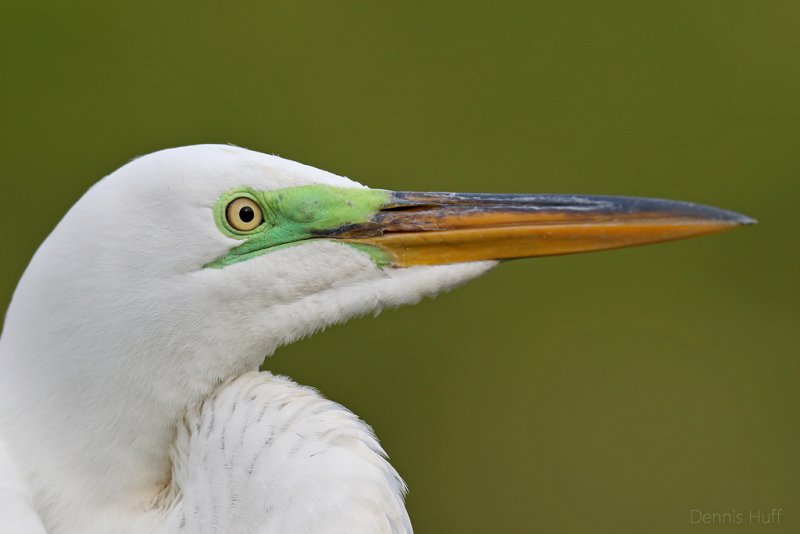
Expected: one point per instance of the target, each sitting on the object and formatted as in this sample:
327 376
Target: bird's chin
336 283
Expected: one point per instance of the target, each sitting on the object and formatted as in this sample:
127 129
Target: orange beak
442 228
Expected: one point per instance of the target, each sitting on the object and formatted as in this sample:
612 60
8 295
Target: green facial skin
297 214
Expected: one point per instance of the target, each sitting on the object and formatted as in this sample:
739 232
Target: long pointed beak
441 228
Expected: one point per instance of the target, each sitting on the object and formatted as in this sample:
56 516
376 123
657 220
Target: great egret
130 400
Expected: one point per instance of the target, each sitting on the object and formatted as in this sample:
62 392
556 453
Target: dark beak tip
738 219
712 214
747 221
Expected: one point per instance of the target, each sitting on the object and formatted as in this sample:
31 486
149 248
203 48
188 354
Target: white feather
17 514
265 455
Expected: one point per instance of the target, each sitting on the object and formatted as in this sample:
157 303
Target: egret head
189 266
193 264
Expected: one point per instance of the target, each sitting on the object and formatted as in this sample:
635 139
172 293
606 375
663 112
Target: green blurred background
611 392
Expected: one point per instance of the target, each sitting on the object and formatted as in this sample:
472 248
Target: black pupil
246 214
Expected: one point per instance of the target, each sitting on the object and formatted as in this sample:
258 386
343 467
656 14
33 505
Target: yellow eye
244 214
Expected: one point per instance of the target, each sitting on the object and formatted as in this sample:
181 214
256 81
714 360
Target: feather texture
17 515
265 455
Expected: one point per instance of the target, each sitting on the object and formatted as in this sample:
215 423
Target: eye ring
244 214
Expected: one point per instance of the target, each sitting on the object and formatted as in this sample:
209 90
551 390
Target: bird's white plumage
17 513
263 439
117 341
